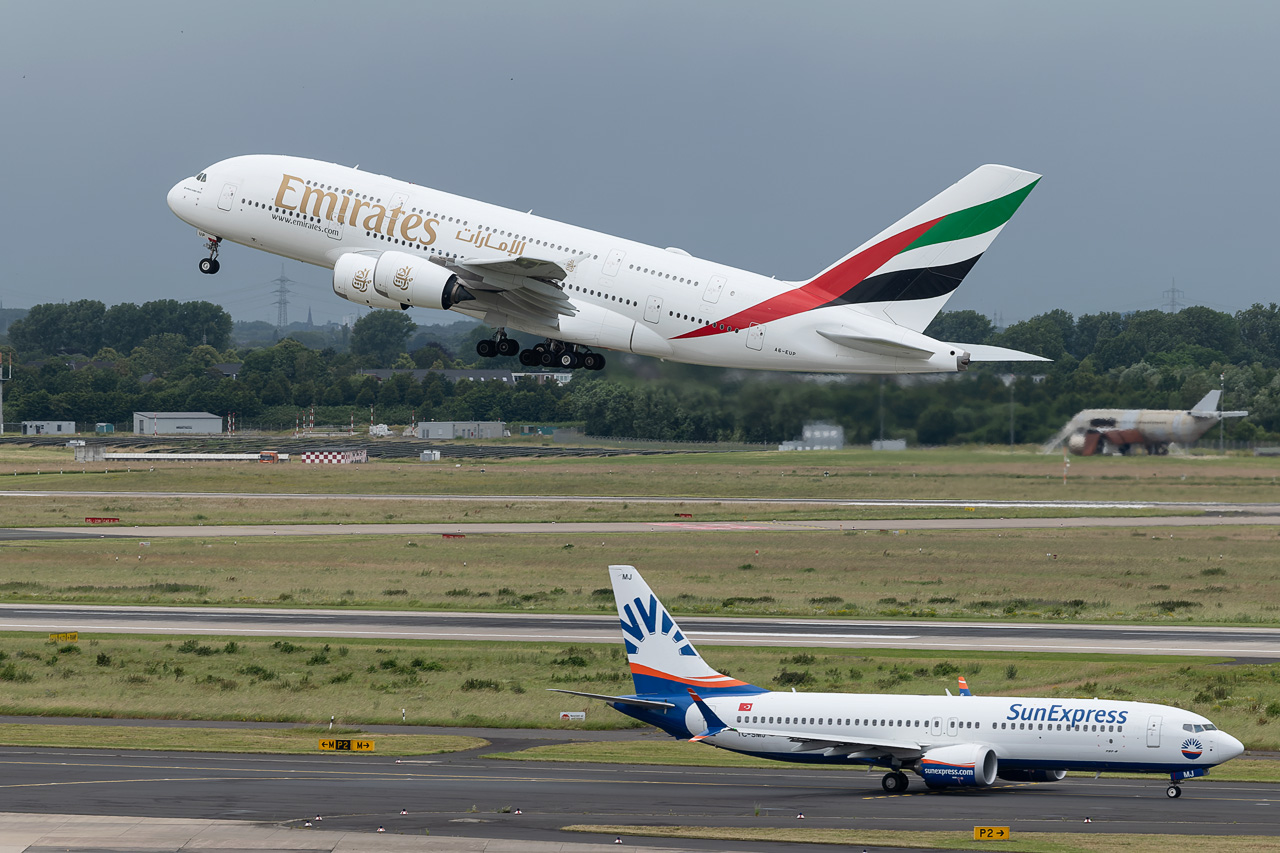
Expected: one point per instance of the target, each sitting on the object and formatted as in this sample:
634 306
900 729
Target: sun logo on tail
653 619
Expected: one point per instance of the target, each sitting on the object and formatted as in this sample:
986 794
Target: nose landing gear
210 265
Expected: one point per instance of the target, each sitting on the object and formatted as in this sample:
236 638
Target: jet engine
1032 775
964 764
396 280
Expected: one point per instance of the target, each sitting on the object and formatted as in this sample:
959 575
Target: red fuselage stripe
825 288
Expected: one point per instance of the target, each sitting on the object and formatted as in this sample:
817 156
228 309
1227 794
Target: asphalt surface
1254 644
241 531
1264 508
468 795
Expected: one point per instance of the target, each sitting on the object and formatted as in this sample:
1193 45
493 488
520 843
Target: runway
241 531
467 795
1261 508
1253 644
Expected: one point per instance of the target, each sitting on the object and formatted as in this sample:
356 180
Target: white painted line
796 636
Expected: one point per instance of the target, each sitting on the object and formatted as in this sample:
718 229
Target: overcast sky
770 136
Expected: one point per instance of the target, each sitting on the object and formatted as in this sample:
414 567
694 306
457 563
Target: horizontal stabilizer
876 345
982 352
620 700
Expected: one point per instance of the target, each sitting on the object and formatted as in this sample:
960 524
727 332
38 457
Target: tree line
1141 360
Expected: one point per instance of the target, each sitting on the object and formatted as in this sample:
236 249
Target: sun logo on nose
1192 748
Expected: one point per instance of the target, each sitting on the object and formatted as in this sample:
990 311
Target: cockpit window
1210 727
201 177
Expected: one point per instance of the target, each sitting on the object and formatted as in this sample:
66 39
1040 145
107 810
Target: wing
522 287
808 742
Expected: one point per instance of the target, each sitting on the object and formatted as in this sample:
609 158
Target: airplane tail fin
663 661
1208 404
908 271
964 687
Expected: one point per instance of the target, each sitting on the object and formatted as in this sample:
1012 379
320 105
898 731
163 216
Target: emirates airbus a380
398 245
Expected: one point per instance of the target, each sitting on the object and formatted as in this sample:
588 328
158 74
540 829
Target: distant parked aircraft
1120 431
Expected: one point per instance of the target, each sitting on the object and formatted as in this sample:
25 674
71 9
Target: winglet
964 687
715 725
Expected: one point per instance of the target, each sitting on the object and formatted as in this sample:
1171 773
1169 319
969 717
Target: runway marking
707 635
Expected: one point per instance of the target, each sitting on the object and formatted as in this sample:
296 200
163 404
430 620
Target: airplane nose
1230 746
175 198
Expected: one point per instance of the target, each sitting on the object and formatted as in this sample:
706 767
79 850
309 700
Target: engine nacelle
965 764
418 282
396 280
353 281
1032 775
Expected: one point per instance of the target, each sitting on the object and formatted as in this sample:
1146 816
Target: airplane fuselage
1067 734
627 296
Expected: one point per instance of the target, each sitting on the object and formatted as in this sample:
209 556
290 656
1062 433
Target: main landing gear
1173 792
502 345
551 353
210 265
895 782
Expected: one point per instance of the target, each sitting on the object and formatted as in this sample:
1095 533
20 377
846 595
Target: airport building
461 429
48 427
819 436
176 423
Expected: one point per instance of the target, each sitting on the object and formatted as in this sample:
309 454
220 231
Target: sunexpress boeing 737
949 741
398 245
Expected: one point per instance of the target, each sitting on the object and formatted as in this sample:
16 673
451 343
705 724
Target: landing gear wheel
569 360
529 358
894 783
592 360
507 346
487 349
1173 792
547 358
209 266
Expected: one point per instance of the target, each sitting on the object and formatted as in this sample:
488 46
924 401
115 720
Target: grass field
1022 842
963 474
1185 576
296 741
363 682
